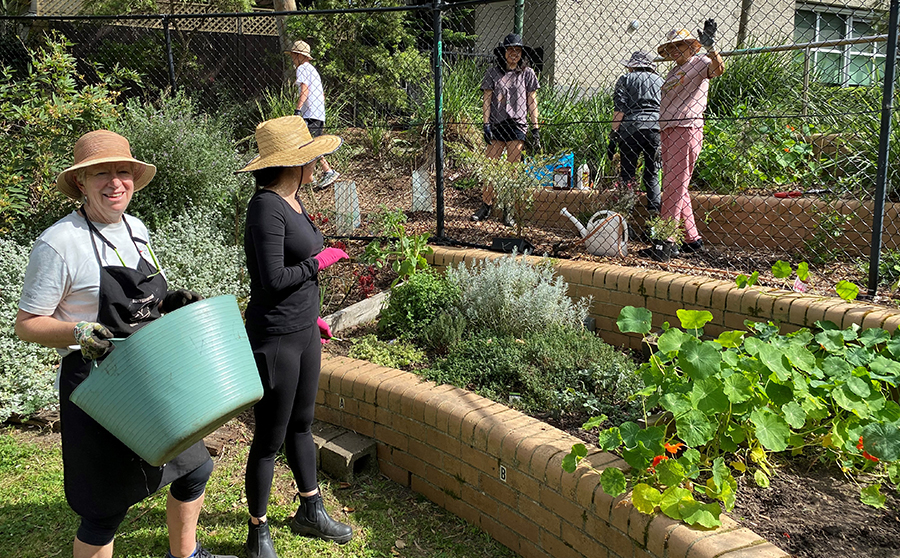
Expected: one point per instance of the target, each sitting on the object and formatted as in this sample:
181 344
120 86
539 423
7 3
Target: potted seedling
666 234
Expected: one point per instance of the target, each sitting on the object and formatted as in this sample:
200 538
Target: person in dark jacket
285 254
636 123
93 276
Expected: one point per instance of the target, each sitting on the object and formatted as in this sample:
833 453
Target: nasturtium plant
728 404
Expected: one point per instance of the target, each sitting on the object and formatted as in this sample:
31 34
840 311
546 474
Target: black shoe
691 247
259 541
508 218
481 213
311 520
659 251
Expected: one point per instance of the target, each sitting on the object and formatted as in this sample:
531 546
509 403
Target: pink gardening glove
329 256
324 330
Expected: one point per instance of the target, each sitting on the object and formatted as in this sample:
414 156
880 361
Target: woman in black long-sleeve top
284 257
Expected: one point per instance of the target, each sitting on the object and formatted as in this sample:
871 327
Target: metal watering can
606 233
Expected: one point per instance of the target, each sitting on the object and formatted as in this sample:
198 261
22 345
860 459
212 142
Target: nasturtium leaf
693 319
776 361
893 471
794 414
872 496
801 384
846 290
594 422
781 270
893 346
570 461
831 340
801 357
730 339
859 386
645 498
695 513
720 471
676 403
848 400
859 356
699 359
803 271
670 472
695 428
612 480
737 388
638 457
761 479
671 497
778 393
730 358
836 367
890 412
741 281
652 437
629 431
882 440
671 340
736 432
707 396
874 336
771 430
634 320
609 439
827 325
752 345
885 369
739 466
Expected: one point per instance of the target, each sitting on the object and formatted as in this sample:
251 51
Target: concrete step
340 453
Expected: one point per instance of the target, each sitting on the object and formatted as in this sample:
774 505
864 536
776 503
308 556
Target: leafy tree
370 57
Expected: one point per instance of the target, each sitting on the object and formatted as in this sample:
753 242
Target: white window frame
847 52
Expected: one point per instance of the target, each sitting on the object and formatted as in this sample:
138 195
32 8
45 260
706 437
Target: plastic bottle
583 180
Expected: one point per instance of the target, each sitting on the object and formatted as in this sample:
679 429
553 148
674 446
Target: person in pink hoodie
684 96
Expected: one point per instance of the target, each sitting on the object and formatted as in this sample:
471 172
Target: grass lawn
388 520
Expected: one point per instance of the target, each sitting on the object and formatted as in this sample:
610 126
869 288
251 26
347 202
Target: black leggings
289 367
100 531
631 145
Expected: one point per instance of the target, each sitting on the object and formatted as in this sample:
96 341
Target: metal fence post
884 147
438 117
520 17
169 58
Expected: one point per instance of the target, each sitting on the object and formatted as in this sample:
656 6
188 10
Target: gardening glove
178 298
488 135
94 340
536 139
330 256
707 37
324 330
298 112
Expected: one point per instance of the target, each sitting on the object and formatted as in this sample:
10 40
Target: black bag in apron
102 475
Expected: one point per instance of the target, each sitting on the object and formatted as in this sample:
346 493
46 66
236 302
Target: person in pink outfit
684 96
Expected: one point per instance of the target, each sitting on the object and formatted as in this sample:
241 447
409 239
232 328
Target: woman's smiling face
513 54
107 189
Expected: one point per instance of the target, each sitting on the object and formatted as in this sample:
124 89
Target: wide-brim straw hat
300 47
676 36
102 146
514 40
286 142
640 59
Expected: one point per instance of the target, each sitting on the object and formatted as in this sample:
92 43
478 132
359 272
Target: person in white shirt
311 103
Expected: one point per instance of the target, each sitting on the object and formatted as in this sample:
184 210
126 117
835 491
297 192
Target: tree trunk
284 6
746 6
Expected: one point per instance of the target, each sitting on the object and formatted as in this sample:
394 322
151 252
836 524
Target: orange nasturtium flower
657 460
866 454
673 448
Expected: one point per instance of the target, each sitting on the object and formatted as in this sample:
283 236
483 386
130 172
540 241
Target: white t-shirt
62 279
314 107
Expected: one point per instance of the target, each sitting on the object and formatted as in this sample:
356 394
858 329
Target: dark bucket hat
640 59
514 40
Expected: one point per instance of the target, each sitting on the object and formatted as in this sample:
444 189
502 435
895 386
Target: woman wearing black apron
89 280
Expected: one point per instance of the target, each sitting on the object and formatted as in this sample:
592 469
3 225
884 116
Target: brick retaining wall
501 470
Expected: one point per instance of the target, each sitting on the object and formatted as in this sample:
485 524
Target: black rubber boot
311 520
259 541
482 213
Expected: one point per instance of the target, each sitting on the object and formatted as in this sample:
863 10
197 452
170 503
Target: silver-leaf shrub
509 295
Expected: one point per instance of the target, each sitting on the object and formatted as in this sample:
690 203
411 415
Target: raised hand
707 36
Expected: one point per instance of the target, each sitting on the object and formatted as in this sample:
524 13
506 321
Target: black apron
102 476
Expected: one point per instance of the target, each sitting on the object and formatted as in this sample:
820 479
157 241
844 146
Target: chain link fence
786 162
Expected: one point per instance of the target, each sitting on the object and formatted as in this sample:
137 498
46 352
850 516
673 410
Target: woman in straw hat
636 123
684 96
92 276
510 95
284 258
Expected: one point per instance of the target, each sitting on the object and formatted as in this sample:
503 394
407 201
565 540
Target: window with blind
859 64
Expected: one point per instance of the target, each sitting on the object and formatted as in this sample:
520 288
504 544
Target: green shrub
513 297
197 254
42 113
413 305
27 370
194 157
394 354
442 334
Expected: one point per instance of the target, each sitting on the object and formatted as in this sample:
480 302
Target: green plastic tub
175 380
